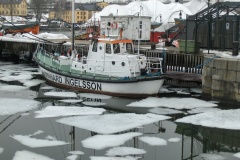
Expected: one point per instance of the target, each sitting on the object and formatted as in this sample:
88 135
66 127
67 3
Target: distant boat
21 28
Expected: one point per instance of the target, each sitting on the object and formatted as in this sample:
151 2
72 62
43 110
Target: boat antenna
139 27
73 21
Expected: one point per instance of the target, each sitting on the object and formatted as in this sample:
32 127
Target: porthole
113 62
123 64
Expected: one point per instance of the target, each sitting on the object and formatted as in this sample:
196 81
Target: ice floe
201 110
61 94
33 82
113 158
153 141
11 106
1 150
88 103
29 141
99 142
177 103
226 119
112 123
13 88
27 155
72 157
16 77
165 111
235 155
76 152
173 140
56 111
124 151
209 156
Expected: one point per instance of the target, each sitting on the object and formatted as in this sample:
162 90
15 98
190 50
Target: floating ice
29 141
33 82
112 123
47 87
71 100
76 152
103 141
56 111
1 150
92 95
165 90
173 139
201 110
227 119
11 106
164 111
153 141
235 155
88 103
207 156
16 77
124 151
61 94
27 155
177 103
114 158
30 69
196 90
37 133
72 157
12 88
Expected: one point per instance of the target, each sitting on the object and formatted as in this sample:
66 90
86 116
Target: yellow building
83 12
13 7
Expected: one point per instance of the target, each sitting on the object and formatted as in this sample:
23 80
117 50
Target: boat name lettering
83 84
52 77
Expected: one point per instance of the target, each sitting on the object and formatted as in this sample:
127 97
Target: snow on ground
1 150
12 88
209 156
71 100
29 141
177 103
124 151
99 142
165 111
201 110
91 95
27 155
114 158
56 111
153 141
173 140
112 123
61 94
11 106
226 119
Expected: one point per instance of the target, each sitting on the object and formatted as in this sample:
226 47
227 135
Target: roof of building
11 1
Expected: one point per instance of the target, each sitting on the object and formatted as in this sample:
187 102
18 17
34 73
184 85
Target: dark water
194 140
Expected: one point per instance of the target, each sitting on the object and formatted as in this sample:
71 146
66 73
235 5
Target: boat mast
139 28
73 21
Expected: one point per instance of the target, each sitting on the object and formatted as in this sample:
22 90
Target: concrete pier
221 78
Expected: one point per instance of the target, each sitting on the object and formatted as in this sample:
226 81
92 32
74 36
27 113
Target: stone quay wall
221 78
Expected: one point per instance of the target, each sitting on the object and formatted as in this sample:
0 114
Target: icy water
41 122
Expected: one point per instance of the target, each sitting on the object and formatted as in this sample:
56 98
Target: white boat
111 67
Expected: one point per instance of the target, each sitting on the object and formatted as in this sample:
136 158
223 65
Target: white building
133 27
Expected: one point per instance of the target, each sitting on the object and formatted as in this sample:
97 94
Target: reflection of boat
21 28
111 67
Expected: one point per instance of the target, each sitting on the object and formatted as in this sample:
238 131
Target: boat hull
121 88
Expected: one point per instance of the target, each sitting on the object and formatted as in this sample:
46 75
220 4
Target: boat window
129 47
94 48
108 48
116 48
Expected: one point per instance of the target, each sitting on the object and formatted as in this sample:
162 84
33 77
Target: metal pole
186 34
73 21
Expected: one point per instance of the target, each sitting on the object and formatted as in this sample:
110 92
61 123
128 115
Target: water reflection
183 141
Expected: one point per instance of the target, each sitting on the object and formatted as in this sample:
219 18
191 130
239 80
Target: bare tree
38 7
